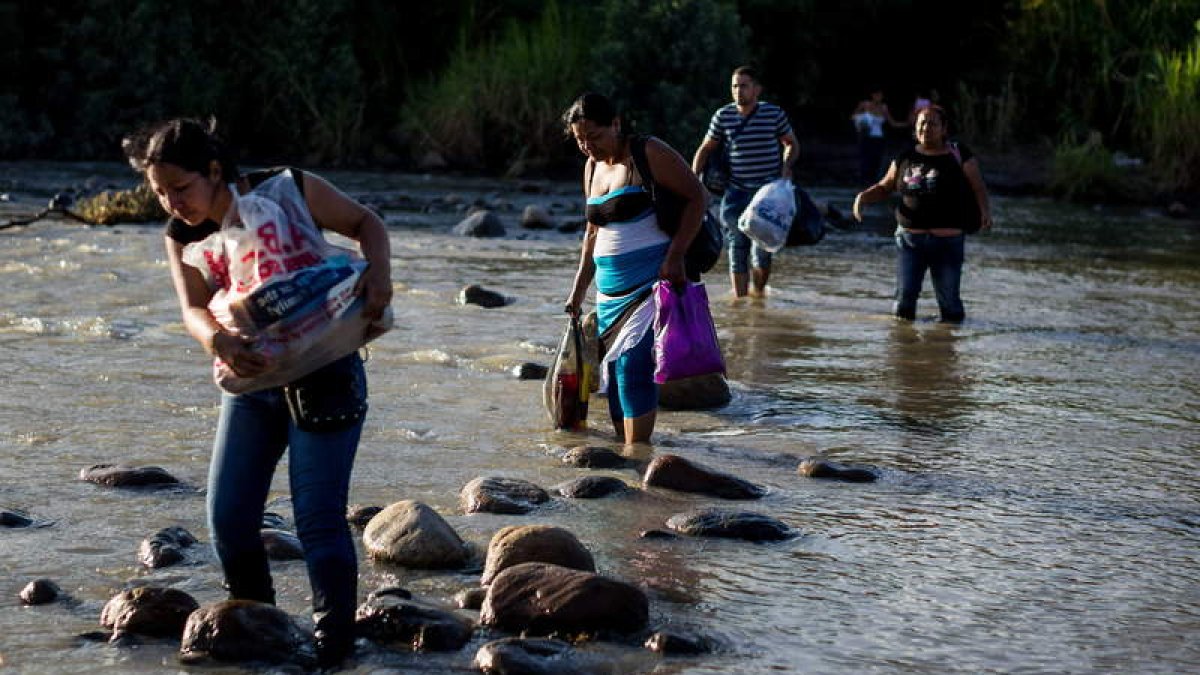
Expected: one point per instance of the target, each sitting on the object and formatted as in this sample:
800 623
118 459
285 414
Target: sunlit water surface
1038 509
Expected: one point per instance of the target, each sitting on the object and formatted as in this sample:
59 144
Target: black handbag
705 248
331 398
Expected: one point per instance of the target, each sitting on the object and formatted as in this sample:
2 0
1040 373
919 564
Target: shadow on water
929 390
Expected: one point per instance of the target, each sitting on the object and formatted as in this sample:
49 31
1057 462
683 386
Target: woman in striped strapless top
626 251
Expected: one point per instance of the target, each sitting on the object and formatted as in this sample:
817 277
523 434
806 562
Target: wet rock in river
530 371
679 643
14 518
389 619
116 475
165 547
395 591
676 473
412 534
816 467
570 225
281 544
592 487
592 457
242 630
495 494
728 524
148 610
518 544
478 295
541 599
273 521
358 516
40 592
536 217
537 656
701 392
657 534
481 223
470 598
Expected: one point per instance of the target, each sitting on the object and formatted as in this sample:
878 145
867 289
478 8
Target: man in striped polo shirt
753 131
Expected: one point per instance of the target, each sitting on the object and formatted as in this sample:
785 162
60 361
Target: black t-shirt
185 234
933 189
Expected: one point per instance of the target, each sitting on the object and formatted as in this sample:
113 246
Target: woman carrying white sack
317 418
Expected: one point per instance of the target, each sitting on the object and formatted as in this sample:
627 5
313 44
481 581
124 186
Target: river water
1039 507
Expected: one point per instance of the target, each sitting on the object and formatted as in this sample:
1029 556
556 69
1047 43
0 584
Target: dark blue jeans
742 249
943 258
253 431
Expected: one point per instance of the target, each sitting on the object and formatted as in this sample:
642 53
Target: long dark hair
186 142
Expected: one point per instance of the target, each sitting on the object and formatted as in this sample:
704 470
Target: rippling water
1039 503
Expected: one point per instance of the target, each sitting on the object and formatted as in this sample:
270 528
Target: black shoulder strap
637 148
589 172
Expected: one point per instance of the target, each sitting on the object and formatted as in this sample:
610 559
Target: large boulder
391 619
518 544
676 473
540 599
242 630
148 610
412 534
701 392
730 525
494 494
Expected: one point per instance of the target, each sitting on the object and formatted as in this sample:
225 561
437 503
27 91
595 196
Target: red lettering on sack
300 261
218 266
268 234
269 268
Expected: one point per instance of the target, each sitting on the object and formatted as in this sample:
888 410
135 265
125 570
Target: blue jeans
253 431
943 258
742 249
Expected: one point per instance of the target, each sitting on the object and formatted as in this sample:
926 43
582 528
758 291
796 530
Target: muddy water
1038 509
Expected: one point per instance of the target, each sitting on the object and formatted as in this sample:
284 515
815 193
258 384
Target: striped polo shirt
754 154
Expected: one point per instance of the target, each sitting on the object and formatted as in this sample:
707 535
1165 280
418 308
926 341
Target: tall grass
990 120
1085 171
497 104
1170 117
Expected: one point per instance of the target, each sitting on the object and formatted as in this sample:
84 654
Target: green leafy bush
497 103
1169 117
667 64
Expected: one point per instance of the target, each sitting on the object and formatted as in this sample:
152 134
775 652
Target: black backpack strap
637 149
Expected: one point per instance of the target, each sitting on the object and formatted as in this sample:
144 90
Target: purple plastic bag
685 340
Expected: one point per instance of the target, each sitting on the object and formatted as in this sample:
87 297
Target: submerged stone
242 630
116 475
148 610
730 525
542 599
676 473
494 494
390 619
816 467
518 544
40 592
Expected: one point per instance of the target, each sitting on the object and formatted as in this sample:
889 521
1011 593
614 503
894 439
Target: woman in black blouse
942 198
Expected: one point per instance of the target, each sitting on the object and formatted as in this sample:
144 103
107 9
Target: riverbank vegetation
466 84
